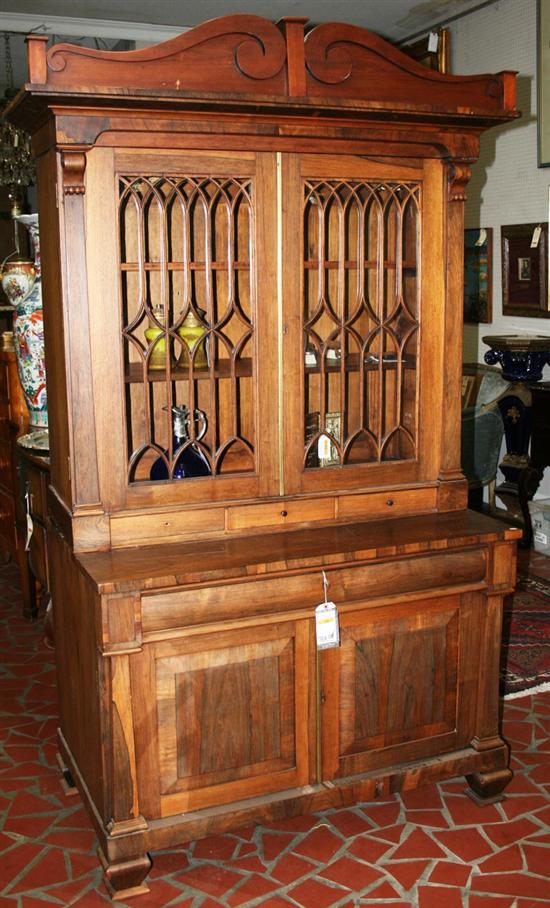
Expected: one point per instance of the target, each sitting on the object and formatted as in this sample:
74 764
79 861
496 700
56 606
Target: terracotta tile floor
431 848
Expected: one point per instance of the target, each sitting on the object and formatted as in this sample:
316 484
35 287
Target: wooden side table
34 475
14 420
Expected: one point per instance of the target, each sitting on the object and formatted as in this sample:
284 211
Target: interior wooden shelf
353 362
223 369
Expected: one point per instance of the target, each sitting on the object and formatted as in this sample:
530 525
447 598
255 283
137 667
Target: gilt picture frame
478 275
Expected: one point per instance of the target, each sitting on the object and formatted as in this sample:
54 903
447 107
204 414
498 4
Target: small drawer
298 592
279 513
388 504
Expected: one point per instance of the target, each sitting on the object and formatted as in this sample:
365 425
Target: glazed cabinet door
227 716
401 687
363 303
183 324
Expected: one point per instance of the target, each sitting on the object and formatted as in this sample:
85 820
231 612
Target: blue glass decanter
191 462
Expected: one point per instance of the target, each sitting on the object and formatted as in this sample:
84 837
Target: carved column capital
73 164
458 175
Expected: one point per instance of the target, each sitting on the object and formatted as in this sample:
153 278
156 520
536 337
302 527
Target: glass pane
188 308
361 321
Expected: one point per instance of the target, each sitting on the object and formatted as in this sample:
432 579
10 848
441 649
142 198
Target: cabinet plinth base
487 787
125 879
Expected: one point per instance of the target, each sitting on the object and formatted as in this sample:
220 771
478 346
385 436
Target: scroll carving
458 177
220 55
359 64
74 166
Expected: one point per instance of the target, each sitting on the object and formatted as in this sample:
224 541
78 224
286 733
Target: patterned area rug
525 657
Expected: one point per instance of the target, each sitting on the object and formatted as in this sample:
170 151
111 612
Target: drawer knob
389 502
284 513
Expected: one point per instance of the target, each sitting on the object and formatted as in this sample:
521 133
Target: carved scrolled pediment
350 62
220 55
246 59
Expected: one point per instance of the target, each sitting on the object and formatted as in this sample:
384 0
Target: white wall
507 186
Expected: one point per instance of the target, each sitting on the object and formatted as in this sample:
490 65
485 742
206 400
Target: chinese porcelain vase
28 334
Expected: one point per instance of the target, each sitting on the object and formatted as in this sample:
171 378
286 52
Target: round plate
36 441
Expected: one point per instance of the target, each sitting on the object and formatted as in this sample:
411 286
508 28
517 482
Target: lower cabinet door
402 686
222 716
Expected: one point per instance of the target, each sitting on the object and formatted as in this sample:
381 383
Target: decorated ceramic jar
18 278
28 336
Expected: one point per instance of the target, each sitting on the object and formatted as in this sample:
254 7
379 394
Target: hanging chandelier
16 162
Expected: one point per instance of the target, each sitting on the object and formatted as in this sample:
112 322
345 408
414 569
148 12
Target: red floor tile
518 805
162 893
407 872
215 848
427 818
507 859
538 861
250 863
252 888
418 845
369 849
427 798
320 844
15 860
518 884
352 874
439 896
465 812
49 869
209 878
382 814
349 822
167 862
290 868
312 894
467 844
506 833
451 873
273 844
482 901
392 834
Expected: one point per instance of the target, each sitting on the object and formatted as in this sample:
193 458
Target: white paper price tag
30 525
536 237
323 448
433 42
327 629
482 238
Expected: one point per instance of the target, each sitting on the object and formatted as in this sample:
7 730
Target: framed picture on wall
478 275
525 270
433 50
543 82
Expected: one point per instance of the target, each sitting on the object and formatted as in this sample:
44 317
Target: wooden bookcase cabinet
267 231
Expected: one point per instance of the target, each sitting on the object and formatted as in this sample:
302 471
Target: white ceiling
395 19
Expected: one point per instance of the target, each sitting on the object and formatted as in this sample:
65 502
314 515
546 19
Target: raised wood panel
232 715
393 683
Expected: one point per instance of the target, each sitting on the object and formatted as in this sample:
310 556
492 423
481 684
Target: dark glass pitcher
191 461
